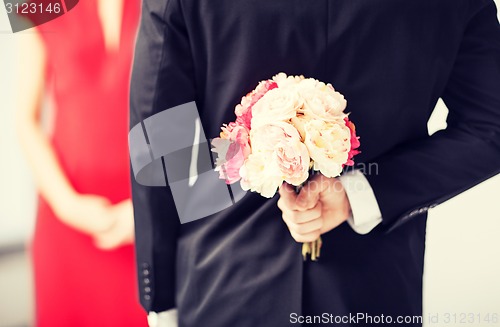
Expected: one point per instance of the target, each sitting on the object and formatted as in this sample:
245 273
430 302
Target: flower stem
313 249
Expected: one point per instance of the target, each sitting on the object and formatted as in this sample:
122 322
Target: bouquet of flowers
285 130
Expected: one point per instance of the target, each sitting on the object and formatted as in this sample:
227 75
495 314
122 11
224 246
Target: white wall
17 200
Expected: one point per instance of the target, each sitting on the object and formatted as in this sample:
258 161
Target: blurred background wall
17 198
462 272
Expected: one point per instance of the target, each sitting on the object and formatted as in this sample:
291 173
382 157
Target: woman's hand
110 225
122 228
90 214
321 205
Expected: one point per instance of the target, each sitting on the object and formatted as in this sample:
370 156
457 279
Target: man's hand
321 205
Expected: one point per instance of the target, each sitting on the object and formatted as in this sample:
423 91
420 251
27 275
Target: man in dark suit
393 60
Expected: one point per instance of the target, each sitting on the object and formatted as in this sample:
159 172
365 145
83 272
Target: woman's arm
87 213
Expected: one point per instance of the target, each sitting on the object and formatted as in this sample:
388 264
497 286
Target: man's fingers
316 187
304 238
309 194
306 228
288 197
300 217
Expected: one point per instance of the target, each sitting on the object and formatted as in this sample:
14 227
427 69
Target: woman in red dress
82 248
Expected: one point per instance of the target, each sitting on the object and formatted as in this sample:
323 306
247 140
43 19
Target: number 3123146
33 8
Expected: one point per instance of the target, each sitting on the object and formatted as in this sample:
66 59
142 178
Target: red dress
76 283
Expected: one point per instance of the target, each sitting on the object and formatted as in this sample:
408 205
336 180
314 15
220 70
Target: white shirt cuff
366 213
163 319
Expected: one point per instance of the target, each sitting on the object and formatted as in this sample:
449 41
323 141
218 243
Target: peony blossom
276 105
354 142
232 148
282 80
328 144
298 122
293 160
243 110
281 142
321 101
259 174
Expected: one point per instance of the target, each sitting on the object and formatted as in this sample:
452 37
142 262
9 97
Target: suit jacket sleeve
162 78
415 177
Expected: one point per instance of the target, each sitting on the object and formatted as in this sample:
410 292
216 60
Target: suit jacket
392 60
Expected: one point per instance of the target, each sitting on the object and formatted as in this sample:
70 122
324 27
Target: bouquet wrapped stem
313 249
